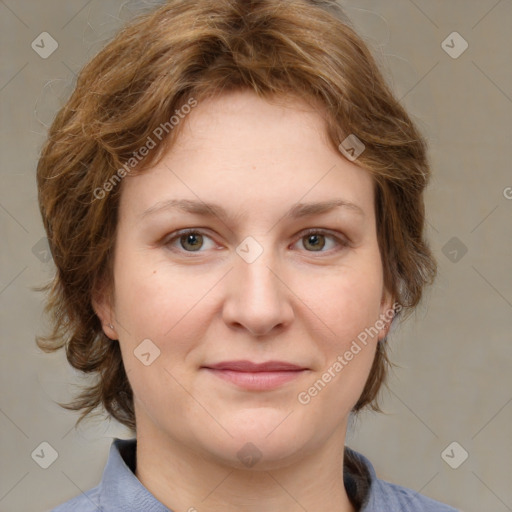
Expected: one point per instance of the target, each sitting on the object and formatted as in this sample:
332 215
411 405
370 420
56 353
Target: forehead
242 116
241 150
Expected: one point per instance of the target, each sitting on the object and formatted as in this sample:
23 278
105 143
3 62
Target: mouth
256 376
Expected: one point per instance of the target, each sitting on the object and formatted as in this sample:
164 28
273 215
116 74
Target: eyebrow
297 210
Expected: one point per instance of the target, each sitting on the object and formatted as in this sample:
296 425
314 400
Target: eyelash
311 231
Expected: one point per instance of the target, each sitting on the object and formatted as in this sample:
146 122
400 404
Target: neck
182 478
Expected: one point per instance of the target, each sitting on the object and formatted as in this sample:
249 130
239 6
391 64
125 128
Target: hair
190 50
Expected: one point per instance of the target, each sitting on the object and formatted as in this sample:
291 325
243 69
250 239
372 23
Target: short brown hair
197 49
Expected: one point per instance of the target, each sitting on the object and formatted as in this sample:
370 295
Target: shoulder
376 495
99 498
396 497
88 501
119 489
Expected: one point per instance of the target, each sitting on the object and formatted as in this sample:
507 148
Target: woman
233 199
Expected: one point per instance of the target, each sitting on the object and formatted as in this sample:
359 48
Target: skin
256 158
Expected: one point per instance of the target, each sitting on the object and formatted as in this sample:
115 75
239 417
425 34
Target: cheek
160 304
154 297
347 302
167 304
347 308
348 351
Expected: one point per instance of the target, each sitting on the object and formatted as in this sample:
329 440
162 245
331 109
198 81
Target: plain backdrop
453 380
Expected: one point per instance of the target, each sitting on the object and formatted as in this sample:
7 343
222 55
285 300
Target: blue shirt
121 491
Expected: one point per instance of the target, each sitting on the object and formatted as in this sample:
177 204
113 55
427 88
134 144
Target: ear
386 313
102 303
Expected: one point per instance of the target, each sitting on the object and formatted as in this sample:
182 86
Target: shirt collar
121 490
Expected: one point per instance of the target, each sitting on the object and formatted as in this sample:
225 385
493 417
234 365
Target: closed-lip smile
256 376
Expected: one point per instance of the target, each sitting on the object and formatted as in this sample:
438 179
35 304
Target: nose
258 298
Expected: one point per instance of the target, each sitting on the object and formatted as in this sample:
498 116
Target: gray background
453 381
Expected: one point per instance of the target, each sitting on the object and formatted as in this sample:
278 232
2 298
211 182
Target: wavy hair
197 49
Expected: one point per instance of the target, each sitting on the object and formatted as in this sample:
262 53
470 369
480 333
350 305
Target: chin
261 441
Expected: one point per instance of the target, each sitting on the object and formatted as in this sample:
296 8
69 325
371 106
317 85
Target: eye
317 239
314 240
190 240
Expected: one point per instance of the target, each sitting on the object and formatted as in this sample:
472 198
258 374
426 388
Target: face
260 277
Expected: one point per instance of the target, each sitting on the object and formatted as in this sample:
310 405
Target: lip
249 366
256 376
